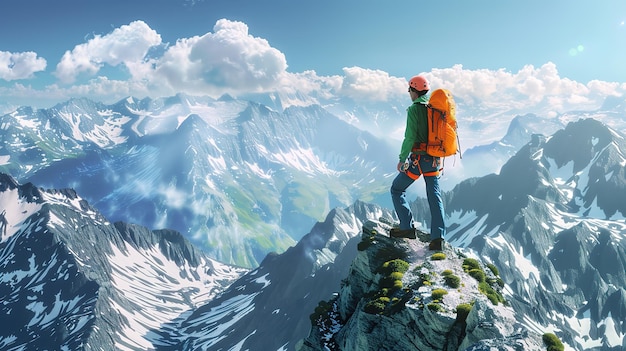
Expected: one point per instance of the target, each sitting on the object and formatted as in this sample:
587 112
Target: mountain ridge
70 278
547 194
560 257
277 297
200 166
286 166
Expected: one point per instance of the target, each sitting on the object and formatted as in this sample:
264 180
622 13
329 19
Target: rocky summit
399 295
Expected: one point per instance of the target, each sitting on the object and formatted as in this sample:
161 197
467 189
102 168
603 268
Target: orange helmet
419 83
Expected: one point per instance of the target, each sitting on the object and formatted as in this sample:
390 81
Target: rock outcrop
399 295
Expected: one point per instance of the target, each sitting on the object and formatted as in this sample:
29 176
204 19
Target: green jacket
416 126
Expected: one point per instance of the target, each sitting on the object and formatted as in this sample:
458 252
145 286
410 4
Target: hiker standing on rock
413 163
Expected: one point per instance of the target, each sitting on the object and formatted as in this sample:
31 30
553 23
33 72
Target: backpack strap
422 146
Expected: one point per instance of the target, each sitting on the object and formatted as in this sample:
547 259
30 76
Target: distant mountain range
236 178
552 221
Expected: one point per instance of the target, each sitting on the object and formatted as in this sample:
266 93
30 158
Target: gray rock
411 318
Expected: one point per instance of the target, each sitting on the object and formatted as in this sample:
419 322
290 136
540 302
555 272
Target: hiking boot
436 245
402 233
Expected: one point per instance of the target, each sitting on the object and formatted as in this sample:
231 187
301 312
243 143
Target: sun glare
577 50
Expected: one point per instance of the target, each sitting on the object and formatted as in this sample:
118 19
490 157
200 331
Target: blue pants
427 166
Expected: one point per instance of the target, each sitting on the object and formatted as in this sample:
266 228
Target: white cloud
310 83
530 88
21 65
126 45
99 89
231 60
606 88
359 83
228 60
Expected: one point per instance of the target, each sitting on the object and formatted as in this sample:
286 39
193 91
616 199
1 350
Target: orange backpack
443 139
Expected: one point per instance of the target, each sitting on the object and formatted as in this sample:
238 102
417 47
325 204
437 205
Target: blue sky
106 50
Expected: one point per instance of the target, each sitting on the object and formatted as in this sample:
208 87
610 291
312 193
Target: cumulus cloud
231 60
359 83
21 65
529 88
126 45
227 60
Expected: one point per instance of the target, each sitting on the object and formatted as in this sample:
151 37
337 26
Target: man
413 163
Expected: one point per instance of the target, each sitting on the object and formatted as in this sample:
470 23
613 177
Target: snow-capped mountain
484 159
490 136
383 119
235 177
269 308
553 221
72 280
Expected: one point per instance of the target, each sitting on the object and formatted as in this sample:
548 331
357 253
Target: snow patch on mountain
73 278
584 327
258 171
466 226
522 262
155 120
171 287
25 122
304 160
235 308
104 127
192 163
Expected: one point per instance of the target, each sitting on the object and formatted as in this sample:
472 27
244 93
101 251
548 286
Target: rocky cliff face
553 221
398 295
72 280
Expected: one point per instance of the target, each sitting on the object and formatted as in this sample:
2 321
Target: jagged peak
322 244
191 123
77 280
7 182
591 150
180 98
314 109
226 97
78 103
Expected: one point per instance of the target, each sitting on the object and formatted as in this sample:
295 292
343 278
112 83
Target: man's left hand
400 167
